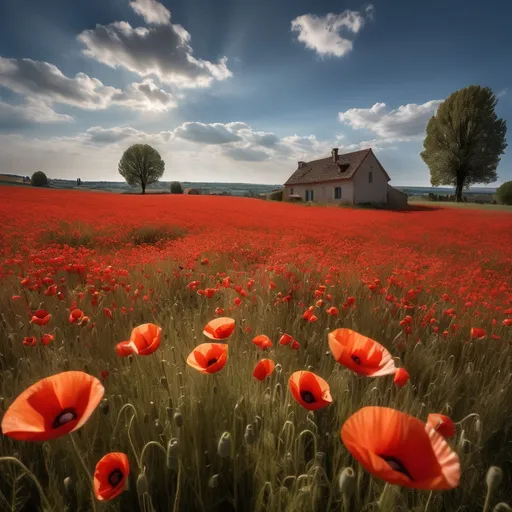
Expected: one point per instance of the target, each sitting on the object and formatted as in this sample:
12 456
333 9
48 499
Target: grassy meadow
433 287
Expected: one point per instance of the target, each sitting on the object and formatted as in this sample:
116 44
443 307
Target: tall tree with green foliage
176 187
141 165
465 140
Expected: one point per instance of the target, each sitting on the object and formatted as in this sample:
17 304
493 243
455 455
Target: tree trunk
458 189
143 188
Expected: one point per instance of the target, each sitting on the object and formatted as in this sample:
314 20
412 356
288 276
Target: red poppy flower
41 317
476 332
507 322
219 311
108 312
332 311
401 449
442 424
110 476
46 339
285 339
220 328
295 345
53 407
30 341
144 340
360 354
208 357
263 369
310 390
76 316
401 377
262 341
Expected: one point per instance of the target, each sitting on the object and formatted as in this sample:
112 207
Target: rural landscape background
178 332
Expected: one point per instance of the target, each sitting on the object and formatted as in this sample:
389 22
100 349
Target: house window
309 195
337 192
291 191
370 177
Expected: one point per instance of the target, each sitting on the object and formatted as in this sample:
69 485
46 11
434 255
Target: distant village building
350 178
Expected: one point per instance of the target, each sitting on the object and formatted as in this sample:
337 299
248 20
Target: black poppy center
396 465
211 361
307 396
356 359
115 477
64 417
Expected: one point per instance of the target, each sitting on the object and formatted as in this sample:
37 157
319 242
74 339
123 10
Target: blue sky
239 90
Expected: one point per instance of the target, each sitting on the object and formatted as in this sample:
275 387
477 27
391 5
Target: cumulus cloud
403 123
29 112
326 34
43 84
105 136
46 81
247 154
145 96
162 49
152 11
216 133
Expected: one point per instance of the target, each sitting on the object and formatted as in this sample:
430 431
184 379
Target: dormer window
344 167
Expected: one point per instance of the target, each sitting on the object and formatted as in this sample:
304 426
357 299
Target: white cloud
47 82
247 154
29 112
161 50
152 11
145 96
216 133
403 123
324 33
502 93
43 84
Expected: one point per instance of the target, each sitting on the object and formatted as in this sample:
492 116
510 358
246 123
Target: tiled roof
326 170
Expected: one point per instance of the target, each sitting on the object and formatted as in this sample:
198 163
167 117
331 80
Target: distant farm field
432 287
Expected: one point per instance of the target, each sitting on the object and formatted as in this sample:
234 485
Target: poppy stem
31 476
147 445
428 501
387 498
87 474
176 505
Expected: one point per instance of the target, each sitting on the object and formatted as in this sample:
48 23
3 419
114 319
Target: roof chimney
301 164
334 154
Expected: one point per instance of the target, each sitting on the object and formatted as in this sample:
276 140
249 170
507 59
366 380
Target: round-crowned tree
39 179
465 140
176 187
141 165
504 193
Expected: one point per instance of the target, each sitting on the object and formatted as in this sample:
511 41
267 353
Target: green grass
470 206
294 463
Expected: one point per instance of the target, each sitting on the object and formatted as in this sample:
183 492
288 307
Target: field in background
415 281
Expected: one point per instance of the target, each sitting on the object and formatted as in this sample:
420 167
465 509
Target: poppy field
195 353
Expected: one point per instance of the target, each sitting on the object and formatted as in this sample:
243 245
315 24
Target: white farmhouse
350 178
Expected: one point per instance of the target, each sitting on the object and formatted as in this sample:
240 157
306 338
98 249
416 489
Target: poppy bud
104 406
493 478
68 486
213 482
164 383
347 481
158 427
168 412
278 368
502 507
178 419
142 484
173 453
257 423
224 446
215 389
180 379
250 436
319 458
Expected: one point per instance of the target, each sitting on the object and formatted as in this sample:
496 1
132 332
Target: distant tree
78 182
464 140
141 165
176 187
504 193
39 179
